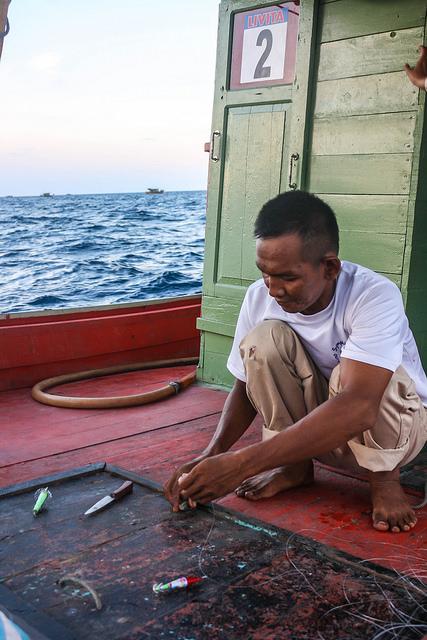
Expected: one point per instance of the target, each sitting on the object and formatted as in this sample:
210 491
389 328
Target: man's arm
330 425
237 415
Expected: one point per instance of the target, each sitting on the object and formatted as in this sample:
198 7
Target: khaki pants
284 384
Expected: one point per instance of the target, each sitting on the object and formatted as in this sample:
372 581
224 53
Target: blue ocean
81 250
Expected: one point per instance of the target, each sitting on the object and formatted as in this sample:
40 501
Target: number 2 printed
262 71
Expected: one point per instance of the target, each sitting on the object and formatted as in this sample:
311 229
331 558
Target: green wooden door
258 127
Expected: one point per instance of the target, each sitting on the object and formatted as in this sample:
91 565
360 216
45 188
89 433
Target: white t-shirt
364 321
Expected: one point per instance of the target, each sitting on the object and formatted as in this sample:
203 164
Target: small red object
179 583
193 580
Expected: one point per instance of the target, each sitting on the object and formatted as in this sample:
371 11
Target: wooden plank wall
364 143
364 156
415 287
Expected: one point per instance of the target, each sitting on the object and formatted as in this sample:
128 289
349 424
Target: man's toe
254 494
380 522
381 525
406 522
412 519
243 489
409 521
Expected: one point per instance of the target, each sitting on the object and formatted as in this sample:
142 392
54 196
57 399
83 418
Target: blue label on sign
266 19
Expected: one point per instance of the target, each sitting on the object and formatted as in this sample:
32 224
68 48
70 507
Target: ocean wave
82 250
46 300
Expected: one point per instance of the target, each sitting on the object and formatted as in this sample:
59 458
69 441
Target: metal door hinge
294 158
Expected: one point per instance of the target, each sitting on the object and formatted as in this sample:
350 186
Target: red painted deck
152 440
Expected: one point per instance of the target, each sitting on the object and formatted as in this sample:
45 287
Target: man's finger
167 488
181 483
410 73
192 489
176 498
185 481
200 495
171 491
166 491
206 497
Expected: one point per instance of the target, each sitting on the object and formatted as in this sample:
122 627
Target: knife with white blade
118 494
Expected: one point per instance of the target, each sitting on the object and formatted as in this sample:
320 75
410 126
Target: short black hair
304 214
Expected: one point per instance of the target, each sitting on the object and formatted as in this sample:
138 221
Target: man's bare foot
269 483
391 508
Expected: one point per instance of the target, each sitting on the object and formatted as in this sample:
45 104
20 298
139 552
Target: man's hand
213 478
172 488
418 74
237 415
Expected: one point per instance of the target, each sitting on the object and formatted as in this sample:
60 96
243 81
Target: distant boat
47 194
154 191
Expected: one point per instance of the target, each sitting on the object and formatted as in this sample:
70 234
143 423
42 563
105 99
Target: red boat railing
46 344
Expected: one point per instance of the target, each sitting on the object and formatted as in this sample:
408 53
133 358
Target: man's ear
332 266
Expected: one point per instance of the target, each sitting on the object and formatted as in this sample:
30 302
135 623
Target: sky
100 96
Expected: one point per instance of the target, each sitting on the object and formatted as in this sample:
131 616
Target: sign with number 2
264 43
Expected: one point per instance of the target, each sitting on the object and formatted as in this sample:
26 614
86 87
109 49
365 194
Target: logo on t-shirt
337 350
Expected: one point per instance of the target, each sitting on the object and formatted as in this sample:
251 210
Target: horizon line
98 193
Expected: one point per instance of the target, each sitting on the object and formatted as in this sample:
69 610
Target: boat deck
152 440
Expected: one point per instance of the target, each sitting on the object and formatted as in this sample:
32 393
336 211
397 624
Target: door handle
215 140
294 159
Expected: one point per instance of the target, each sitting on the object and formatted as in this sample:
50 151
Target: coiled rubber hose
73 402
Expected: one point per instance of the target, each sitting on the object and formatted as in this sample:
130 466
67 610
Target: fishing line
204 545
203 574
402 620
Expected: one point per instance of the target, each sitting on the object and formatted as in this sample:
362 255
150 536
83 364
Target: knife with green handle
116 495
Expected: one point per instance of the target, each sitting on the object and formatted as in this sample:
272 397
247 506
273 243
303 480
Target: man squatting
324 353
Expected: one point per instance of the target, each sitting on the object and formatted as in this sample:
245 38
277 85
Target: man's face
297 285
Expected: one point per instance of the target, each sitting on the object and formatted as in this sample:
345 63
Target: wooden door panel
252 175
